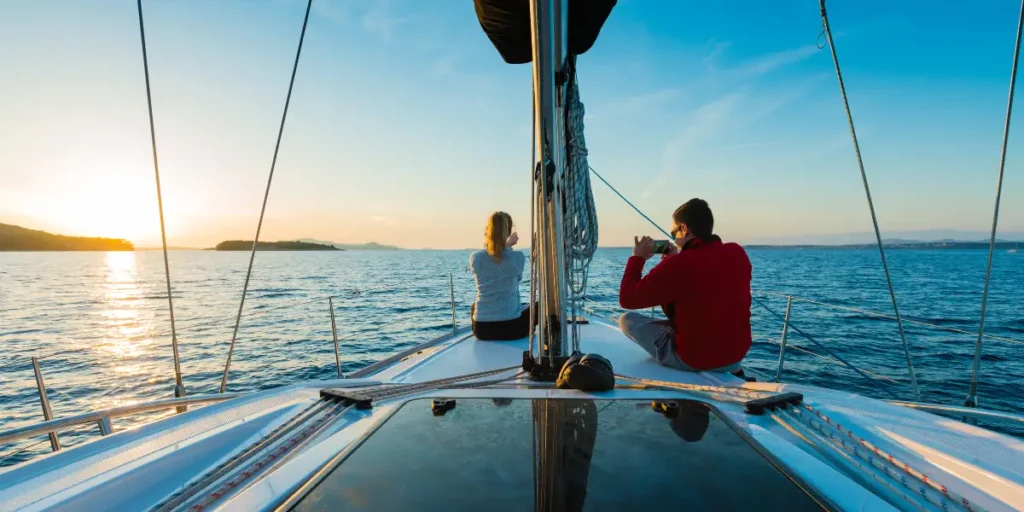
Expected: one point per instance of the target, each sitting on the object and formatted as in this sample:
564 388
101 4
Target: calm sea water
99 321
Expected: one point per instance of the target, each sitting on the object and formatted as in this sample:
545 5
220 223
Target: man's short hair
696 214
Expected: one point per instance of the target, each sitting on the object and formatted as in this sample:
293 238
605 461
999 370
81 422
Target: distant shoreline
246 245
18 239
931 246
934 246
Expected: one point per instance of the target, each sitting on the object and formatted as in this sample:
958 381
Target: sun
105 203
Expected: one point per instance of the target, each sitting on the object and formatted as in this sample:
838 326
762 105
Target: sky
407 128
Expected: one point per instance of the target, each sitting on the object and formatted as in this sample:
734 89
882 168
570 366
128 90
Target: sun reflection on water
123 331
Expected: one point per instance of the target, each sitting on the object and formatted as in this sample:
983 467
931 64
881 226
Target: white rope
580 219
892 465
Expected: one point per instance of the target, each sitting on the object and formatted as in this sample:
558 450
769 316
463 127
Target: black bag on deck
586 372
507 24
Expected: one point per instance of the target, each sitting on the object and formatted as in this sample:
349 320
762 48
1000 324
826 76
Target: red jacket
708 287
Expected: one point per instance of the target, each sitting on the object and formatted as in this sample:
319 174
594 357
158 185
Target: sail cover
507 24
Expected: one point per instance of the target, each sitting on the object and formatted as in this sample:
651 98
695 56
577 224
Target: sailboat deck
466 354
142 467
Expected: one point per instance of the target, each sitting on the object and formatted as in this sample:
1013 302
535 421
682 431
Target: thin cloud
376 18
770 62
704 125
718 49
381 21
640 103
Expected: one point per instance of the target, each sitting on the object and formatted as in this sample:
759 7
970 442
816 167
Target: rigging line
972 393
765 339
871 204
179 387
822 346
883 315
655 224
266 194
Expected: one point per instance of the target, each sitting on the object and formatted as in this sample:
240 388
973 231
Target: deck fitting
441 406
757 407
347 397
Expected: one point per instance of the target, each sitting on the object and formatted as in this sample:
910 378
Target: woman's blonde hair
499 228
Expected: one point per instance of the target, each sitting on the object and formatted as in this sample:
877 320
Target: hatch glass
547 454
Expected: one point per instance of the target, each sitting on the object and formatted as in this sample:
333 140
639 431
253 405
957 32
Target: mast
548 30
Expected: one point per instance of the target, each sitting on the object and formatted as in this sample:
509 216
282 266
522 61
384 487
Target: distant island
17 238
246 245
370 246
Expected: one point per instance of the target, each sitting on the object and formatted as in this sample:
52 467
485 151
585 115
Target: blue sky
407 128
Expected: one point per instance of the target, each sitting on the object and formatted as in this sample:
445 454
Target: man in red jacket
702 285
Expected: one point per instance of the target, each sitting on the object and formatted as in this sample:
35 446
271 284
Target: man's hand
643 247
672 249
512 240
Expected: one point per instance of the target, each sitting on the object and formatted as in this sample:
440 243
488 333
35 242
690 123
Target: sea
99 322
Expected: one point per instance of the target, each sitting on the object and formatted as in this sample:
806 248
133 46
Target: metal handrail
104 416
388 361
877 376
788 324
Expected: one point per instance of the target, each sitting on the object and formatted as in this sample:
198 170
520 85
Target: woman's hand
512 239
643 247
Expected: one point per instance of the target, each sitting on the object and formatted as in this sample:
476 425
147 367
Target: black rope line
266 195
179 389
871 204
972 393
826 349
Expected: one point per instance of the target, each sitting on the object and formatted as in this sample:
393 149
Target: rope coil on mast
871 204
580 224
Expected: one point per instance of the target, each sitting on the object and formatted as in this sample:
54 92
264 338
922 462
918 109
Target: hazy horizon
407 129
931 235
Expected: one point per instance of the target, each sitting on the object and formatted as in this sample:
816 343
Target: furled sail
507 24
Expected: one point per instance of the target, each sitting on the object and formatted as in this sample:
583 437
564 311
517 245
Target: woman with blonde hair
498 314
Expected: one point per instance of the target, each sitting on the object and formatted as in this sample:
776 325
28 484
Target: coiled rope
580 217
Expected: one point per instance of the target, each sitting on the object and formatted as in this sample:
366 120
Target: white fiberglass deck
470 355
138 469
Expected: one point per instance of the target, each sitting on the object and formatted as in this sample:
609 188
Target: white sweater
497 285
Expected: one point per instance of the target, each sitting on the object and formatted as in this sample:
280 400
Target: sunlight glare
104 204
121 325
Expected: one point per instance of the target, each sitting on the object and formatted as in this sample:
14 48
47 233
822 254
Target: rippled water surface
99 321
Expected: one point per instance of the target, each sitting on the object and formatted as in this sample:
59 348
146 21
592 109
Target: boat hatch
551 454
